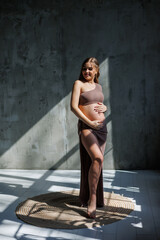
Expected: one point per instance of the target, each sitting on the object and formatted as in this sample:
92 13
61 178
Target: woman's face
88 71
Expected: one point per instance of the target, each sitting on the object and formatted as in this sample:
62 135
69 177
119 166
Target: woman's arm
75 102
100 107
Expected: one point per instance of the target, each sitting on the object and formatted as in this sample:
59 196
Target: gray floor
142 186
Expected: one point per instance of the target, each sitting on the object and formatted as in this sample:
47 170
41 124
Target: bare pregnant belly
89 112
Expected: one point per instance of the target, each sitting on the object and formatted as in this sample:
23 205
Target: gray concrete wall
42 46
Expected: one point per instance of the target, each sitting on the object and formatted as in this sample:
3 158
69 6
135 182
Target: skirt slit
86 161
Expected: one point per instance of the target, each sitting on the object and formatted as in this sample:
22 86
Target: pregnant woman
87 104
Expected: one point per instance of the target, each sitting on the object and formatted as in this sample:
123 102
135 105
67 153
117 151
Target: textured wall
43 44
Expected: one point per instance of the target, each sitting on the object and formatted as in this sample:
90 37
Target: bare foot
91 210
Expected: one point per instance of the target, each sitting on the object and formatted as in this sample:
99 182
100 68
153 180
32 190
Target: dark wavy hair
90 60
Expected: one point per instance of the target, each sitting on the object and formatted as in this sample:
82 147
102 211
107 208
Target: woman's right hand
96 124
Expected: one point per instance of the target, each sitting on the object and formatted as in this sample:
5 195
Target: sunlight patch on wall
104 81
48 141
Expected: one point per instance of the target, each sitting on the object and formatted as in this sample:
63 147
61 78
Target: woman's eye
84 69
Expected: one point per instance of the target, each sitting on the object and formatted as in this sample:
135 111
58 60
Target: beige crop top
93 96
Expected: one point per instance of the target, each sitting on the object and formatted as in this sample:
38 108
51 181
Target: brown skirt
86 161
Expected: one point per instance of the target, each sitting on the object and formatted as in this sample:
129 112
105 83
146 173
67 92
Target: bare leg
91 145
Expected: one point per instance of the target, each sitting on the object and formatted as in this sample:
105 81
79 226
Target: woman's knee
98 159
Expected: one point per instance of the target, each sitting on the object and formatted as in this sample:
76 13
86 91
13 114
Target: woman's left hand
100 108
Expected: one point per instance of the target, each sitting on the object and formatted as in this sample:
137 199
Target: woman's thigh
91 144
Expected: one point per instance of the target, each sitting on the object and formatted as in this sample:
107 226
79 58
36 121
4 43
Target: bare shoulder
77 84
